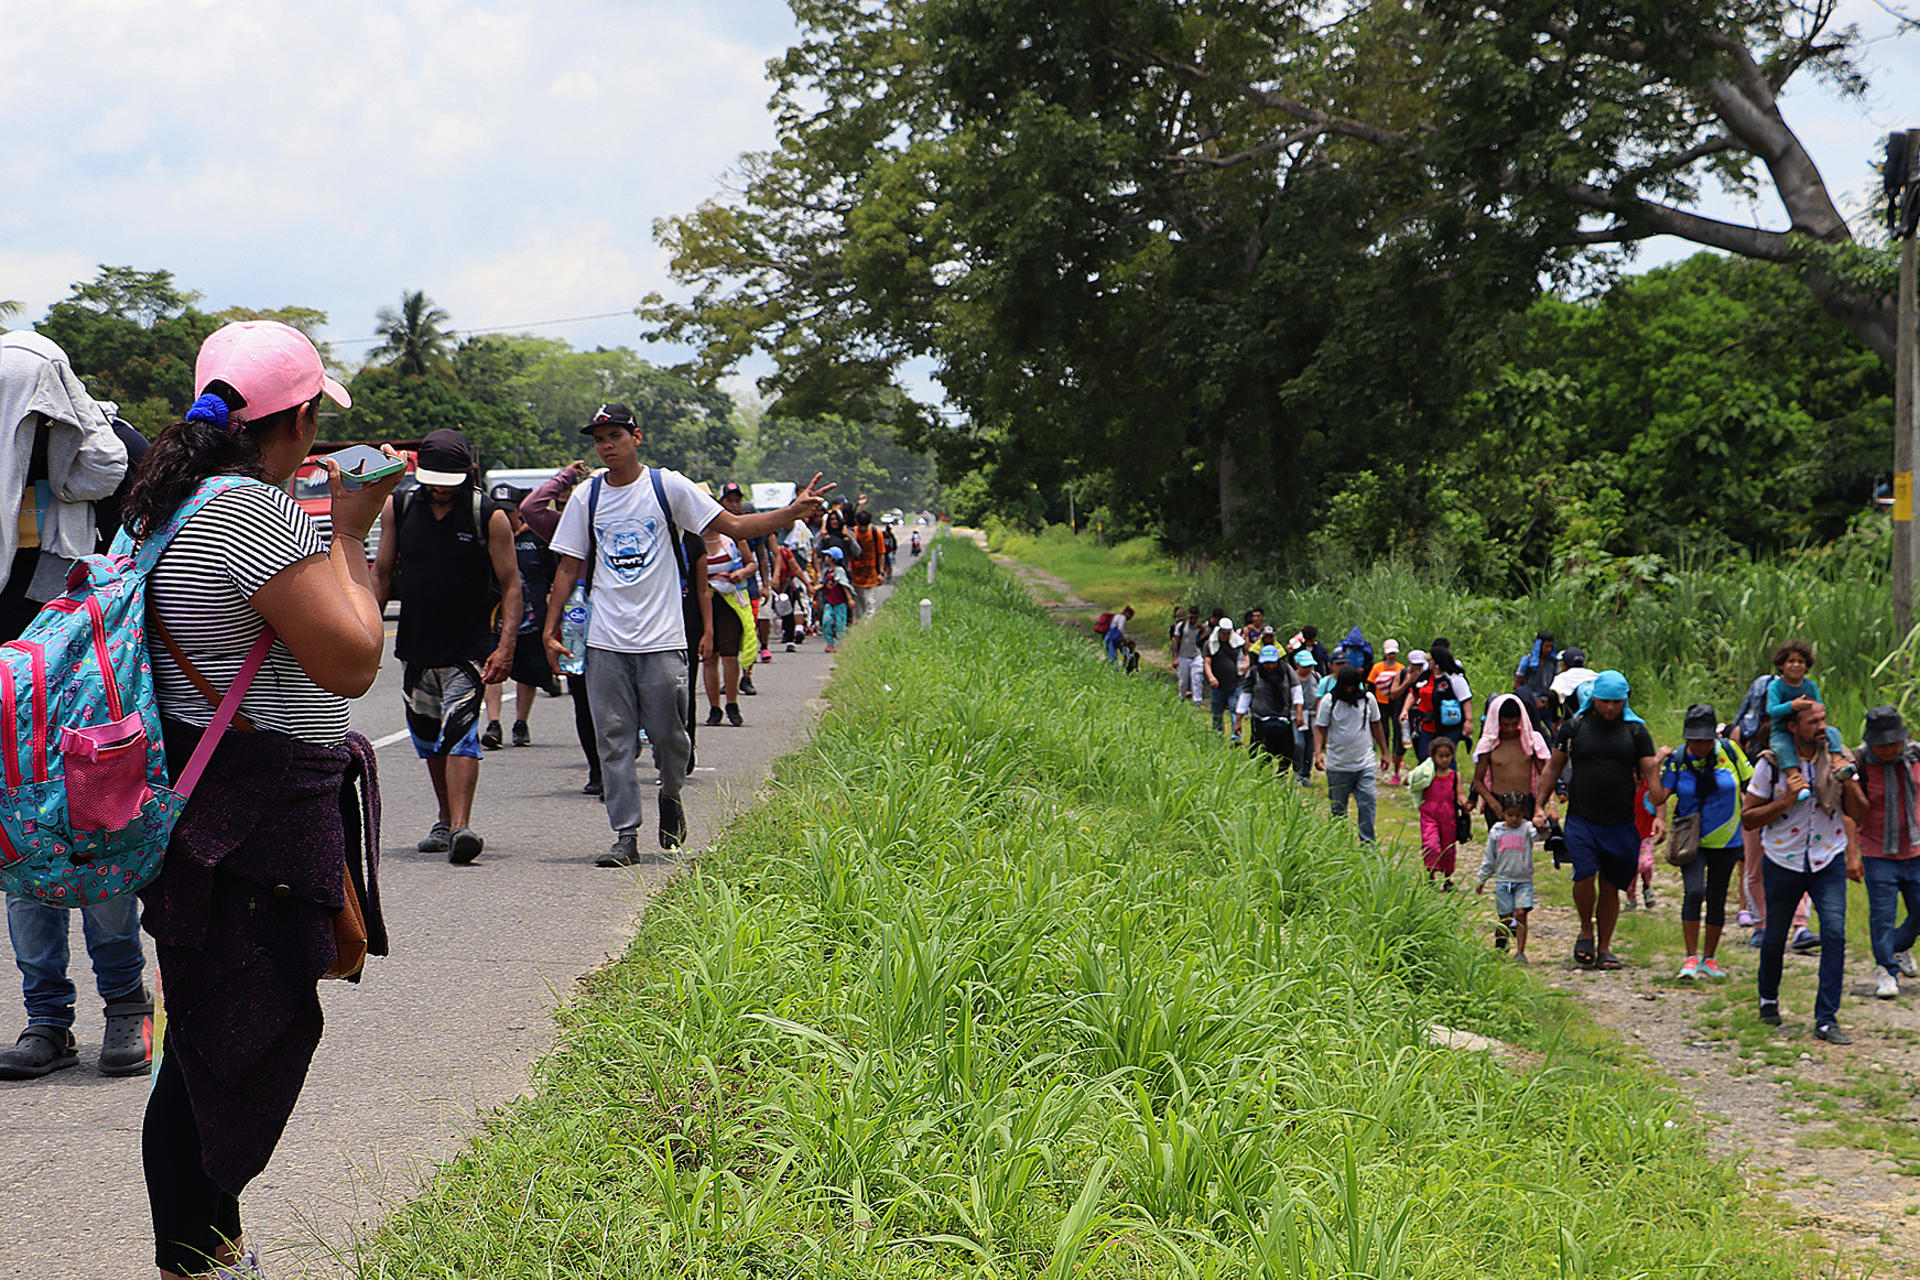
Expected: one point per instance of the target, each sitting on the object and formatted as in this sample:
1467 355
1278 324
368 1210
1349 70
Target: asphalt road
448 1027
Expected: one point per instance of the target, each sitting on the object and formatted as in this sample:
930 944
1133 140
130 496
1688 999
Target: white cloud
509 158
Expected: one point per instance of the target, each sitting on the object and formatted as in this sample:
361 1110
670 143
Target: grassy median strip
1017 974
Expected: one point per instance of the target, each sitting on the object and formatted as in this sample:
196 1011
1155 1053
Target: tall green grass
1017 974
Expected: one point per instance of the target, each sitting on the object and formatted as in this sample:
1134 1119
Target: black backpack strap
593 554
673 529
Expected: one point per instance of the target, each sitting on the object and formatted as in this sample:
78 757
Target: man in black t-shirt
1611 752
449 545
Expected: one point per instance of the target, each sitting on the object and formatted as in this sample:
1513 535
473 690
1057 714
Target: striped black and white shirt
200 589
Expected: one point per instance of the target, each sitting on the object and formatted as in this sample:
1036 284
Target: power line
498 328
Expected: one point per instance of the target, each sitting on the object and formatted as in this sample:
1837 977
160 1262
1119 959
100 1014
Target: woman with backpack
1445 700
242 912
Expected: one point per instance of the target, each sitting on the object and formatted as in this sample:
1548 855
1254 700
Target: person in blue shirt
1706 777
1793 690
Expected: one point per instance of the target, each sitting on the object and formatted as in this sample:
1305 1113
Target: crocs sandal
1583 953
1609 961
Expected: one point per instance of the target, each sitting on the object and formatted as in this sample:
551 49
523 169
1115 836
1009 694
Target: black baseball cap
731 489
1883 726
610 414
445 460
504 492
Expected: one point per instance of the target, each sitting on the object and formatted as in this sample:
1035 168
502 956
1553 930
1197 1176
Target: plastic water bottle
573 631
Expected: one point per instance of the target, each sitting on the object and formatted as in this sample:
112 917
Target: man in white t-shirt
636 656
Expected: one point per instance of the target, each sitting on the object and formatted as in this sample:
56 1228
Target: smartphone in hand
361 465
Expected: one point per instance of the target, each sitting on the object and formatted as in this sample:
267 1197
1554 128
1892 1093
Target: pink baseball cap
273 366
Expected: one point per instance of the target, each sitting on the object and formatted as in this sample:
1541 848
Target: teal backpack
87 811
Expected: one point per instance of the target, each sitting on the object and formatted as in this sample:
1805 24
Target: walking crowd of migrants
1767 811
187 623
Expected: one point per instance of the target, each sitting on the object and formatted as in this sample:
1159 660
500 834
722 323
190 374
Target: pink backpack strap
223 715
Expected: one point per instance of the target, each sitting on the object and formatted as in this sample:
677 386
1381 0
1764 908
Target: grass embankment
1747 606
1016 973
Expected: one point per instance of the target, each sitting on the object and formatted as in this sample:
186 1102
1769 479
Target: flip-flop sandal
1583 953
1609 961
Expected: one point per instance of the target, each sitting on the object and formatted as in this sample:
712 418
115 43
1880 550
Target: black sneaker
713 715
746 685
39 1051
625 852
463 846
673 823
491 738
1804 943
593 787
733 715
1770 1012
521 738
1832 1034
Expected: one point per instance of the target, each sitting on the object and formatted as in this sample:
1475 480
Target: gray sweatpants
629 692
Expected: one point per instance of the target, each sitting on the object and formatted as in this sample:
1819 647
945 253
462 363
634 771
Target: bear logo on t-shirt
631 545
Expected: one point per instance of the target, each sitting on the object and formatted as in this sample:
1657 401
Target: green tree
859 457
133 337
1118 282
686 424
416 341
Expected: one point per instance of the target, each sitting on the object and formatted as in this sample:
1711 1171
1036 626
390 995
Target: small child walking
1509 864
1437 783
1643 823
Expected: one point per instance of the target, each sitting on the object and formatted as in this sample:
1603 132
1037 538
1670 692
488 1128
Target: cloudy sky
507 157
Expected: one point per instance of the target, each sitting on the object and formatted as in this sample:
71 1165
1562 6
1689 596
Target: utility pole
1901 177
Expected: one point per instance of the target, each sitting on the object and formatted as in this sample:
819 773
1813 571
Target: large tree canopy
1197 249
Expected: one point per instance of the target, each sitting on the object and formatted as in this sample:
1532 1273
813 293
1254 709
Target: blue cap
1611 686
836 553
1269 653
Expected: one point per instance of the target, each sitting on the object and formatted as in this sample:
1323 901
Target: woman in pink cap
242 911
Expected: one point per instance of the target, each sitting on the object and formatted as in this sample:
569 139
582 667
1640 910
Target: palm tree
9 308
416 338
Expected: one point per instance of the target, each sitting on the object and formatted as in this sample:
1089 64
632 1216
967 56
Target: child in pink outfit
1439 810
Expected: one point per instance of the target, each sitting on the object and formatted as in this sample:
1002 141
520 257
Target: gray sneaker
463 846
624 853
1904 959
438 840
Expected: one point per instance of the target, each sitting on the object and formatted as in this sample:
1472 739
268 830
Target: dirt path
1833 1131
1789 1107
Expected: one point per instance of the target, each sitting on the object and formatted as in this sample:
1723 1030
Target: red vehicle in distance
311 492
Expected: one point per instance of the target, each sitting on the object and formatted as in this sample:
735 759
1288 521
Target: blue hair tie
209 408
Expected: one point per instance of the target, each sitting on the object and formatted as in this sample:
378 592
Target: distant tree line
521 400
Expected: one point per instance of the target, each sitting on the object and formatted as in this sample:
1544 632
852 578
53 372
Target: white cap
1226 624
1391 646
1418 657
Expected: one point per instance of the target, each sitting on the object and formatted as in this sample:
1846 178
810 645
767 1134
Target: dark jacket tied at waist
242 918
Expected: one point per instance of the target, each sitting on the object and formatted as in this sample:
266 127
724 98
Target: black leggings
1705 879
192 1218
583 723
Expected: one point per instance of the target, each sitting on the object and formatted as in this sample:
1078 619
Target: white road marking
389 740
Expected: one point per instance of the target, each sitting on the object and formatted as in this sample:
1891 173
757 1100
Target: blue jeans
1891 881
1828 889
1222 699
1360 784
39 934
1113 645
